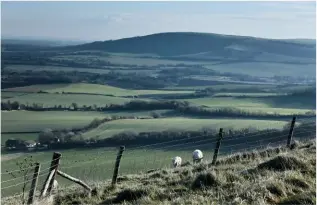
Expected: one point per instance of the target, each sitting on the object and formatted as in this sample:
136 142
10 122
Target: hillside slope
207 46
279 176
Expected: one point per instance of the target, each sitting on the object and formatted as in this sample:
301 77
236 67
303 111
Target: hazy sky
114 20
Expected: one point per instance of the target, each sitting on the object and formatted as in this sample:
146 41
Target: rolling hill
204 46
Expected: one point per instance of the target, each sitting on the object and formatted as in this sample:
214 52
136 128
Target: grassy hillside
269 176
216 45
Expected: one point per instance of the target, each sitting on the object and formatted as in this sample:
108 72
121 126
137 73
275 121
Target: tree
46 136
75 106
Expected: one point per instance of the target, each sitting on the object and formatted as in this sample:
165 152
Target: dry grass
273 176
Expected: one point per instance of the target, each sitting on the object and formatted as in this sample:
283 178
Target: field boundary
284 141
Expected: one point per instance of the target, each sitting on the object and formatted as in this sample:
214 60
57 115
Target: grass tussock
307 198
283 163
206 180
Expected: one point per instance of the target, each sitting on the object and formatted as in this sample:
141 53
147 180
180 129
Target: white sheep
197 156
177 161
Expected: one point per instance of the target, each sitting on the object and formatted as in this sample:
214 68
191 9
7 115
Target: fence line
205 141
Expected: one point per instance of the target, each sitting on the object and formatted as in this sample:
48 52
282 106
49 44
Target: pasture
110 90
266 69
91 89
51 99
176 123
29 121
269 104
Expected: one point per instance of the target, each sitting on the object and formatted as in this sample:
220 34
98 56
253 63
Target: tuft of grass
283 163
206 180
130 195
276 189
299 199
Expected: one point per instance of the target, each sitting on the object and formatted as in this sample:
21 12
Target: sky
99 21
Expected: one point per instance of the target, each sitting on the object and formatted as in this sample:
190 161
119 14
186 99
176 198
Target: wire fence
99 166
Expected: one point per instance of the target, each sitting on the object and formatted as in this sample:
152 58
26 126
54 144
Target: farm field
7 95
29 121
50 100
265 69
110 90
91 88
177 123
268 104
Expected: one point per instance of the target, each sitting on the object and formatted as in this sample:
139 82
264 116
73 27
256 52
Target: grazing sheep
197 156
177 162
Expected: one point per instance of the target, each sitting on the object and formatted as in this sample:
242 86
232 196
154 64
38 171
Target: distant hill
205 46
15 44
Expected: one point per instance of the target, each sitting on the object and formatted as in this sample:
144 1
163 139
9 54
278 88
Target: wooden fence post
34 184
291 131
73 179
50 178
217 147
117 165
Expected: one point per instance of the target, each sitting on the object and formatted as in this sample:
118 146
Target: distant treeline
178 108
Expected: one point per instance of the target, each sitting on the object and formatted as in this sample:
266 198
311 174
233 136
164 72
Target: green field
50 100
266 69
8 95
178 123
91 88
28 121
253 104
110 90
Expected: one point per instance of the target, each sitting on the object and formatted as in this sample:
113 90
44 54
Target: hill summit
190 44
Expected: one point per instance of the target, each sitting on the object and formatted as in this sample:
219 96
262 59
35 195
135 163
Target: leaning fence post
291 131
34 184
50 179
217 147
117 165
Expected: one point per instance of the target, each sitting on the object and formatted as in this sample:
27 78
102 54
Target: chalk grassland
28 121
178 123
92 89
95 166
